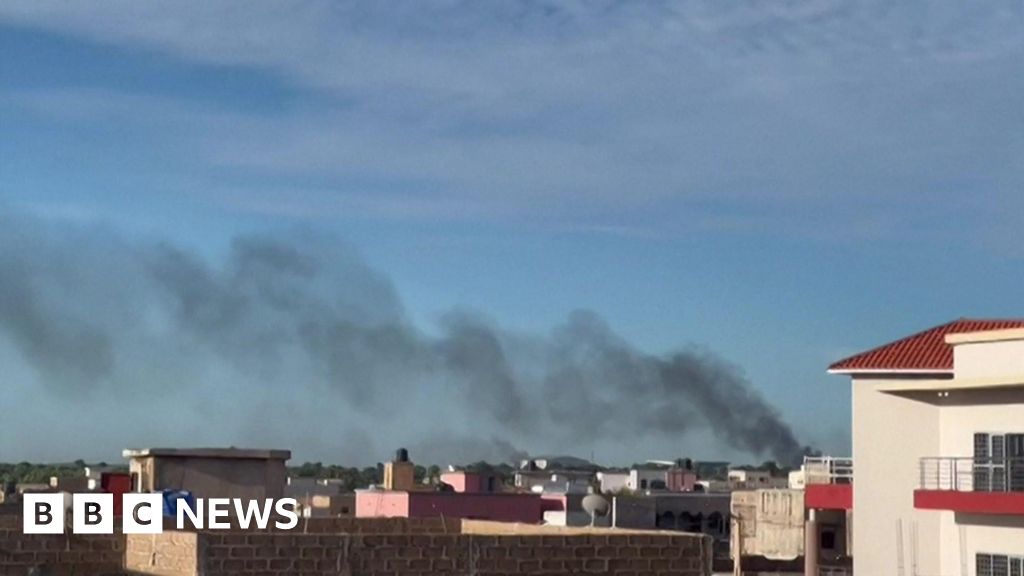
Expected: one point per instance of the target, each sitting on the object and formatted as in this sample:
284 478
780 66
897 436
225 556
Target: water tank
402 455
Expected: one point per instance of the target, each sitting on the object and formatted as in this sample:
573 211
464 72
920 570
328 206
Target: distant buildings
462 495
566 475
655 476
751 479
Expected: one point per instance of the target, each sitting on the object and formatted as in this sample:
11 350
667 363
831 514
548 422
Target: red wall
500 507
829 496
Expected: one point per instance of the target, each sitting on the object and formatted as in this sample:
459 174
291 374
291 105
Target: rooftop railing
967 474
828 470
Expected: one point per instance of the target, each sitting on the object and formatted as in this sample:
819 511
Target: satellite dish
595 505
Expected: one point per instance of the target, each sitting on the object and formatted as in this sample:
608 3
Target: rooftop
925 352
220 453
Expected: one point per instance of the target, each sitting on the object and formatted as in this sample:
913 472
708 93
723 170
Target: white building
647 478
938 438
612 482
740 479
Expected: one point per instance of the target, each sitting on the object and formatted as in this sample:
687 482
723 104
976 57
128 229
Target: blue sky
779 183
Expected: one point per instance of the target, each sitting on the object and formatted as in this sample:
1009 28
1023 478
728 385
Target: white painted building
938 438
612 482
647 478
741 479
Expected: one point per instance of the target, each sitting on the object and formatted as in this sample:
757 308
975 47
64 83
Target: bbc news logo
143 513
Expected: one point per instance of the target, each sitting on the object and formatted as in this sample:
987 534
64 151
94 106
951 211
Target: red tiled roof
925 351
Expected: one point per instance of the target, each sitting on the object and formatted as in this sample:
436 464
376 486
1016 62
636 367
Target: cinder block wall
402 552
56 555
454 554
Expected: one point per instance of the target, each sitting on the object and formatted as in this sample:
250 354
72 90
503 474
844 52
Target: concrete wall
332 505
213 477
680 480
890 435
382 504
472 482
768 523
989 359
962 414
612 482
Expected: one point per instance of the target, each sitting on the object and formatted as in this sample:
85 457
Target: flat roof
219 453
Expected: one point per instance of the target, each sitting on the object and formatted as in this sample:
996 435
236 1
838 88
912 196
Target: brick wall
57 555
284 553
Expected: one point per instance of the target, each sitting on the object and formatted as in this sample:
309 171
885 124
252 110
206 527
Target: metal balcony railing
966 474
828 470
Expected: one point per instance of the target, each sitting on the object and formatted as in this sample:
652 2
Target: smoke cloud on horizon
294 340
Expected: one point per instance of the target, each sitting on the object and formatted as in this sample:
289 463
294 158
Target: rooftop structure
210 472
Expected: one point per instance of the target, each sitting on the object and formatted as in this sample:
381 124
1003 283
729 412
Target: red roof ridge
922 352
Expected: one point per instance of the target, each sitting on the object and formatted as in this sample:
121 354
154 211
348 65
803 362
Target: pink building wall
681 480
382 504
463 481
471 482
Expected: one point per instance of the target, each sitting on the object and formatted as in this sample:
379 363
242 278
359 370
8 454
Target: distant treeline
355 478
29 473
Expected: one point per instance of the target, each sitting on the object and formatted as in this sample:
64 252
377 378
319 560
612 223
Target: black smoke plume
296 323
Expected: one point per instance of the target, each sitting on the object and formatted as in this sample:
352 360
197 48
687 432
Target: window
828 539
998 462
643 484
998 565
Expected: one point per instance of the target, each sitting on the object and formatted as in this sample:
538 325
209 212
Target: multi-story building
805 526
938 438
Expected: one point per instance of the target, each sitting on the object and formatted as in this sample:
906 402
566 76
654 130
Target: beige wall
989 359
768 523
213 477
964 413
890 434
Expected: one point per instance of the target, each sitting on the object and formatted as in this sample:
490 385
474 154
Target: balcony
971 485
828 483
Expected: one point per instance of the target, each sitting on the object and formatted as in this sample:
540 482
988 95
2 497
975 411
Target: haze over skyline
776 185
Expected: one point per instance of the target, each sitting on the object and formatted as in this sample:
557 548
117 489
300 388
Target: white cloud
605 115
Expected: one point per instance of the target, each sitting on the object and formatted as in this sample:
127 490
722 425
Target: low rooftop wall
482 549
53 555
